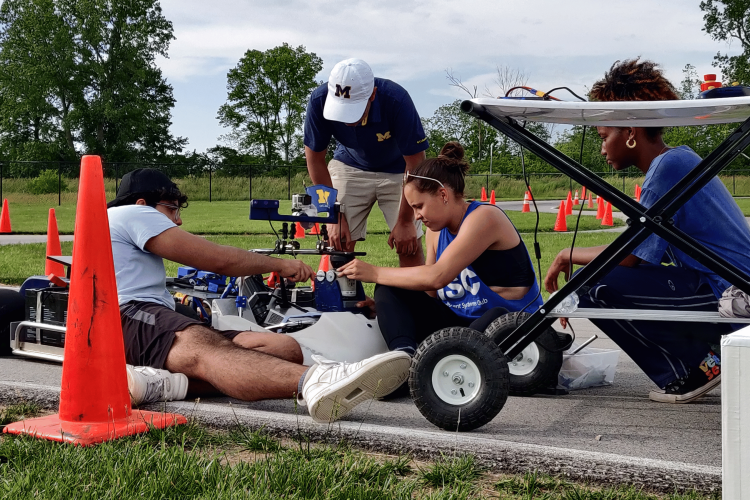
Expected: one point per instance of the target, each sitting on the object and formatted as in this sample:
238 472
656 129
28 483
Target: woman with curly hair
477 267
678 357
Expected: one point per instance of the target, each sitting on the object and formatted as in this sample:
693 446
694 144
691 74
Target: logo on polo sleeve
382 137
343 92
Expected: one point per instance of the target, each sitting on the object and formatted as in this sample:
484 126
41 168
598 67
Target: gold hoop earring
630 146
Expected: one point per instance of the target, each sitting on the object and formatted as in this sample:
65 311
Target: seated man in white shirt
171 351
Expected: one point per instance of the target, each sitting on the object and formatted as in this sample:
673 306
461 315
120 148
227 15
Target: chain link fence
57 182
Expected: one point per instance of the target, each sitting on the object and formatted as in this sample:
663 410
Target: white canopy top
622 113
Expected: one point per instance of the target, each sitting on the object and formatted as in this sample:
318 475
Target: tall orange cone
607 219
600 207
591 201
637 192
531 196
484 194
576 200
94 399
526 207
5 218
53 246
325 263
560 223
492 197
583 192
299 231
569 204
315 230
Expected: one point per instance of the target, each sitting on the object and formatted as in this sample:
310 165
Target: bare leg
276 344
235 371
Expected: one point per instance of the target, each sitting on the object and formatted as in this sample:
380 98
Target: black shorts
148 330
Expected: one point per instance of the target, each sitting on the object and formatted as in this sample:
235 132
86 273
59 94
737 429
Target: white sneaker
149 385
331 388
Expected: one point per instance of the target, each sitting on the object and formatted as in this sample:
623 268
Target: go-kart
459 378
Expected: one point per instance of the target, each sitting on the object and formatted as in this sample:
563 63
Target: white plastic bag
590 367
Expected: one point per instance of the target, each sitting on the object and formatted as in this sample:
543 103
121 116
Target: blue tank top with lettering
468 296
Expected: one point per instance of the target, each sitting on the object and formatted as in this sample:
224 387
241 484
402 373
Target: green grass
232 217
193 461
18 262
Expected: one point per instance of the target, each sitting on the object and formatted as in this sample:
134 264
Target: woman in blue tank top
477 267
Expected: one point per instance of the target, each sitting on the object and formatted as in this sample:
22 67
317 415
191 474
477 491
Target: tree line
80 77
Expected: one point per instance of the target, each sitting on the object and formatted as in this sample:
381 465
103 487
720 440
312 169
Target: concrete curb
499 456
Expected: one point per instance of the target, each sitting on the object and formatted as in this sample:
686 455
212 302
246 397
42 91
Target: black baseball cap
142 180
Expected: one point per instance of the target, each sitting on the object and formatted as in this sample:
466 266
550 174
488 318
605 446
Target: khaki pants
358 190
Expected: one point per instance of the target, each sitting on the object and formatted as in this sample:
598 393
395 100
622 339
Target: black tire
486 381
547 362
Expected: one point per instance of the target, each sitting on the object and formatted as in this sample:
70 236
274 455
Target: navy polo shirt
393 130
711 216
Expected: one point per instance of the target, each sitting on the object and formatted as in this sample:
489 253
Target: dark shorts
149 331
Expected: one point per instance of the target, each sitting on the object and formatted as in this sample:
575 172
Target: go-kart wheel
459 379
537 366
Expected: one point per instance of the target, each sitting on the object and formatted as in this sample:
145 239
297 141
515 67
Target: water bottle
568 305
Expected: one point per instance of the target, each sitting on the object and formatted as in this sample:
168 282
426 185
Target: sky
416 42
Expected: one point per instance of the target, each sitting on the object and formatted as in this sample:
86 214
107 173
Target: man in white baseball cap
379 135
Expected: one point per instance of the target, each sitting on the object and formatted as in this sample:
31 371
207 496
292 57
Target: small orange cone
583 192
315 230
492 197
531 196
273 279
637 192
591 201
53 246
94 399
299 231
576 201
607 219
569 204
526 207
560 223
484 194
5 218
600 207
325 263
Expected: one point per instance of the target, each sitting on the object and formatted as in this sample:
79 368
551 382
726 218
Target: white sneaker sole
370 381
661 397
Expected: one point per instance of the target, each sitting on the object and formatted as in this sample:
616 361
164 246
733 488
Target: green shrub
48 182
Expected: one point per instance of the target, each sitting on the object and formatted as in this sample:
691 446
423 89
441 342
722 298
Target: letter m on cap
343 92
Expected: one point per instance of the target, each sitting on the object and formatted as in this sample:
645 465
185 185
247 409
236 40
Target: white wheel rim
456 379
526 362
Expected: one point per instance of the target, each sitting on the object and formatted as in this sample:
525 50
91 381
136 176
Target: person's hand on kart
368 303
358 270
561 264
296 270
404 238
339 235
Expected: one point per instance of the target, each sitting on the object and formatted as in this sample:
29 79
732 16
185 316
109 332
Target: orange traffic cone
637 193
560 223
94 399
299 231
600 207
273 279
53 246
492 197
569 204
583 192
325 263
607 219
531 196
5 218
315 230
484 194
591 201
576 201
526 207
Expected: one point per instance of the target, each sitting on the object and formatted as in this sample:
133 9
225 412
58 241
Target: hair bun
453 150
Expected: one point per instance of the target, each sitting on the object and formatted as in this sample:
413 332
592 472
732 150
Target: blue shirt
711 216
140 274
393 130
468 296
